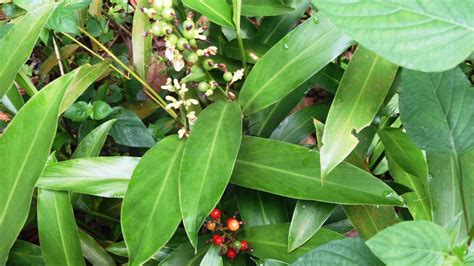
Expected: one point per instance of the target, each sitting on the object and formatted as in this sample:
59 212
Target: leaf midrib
60 231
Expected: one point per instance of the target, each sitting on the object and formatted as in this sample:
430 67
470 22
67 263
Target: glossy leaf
347 251
260 208
18 43
92 251
290 172
186 255
437 110
212 257
149 214
253 50
270 241
214 142
100 176
12 100
25 253
259 8
130 131
360 95
141 44
369 220
266 84
308 218
24 149
428 35
411 243
299 125
467 169
57 229
91 145
217 11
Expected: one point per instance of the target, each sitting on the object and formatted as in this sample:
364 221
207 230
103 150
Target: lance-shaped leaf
437 110
270 241
24 149
424 35
267 84
260 8
13 100
411 243
290 172
207 164
212 257
217 11
52 61
57 228
19 42
99 176
467 170
361 93
150 214
92 144
369 220
25 253
141 44
93 251
308 218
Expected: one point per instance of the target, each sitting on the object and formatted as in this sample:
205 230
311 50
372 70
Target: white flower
237 75
173 102
191 117
189 102
211 50
198 35
181 132
168 86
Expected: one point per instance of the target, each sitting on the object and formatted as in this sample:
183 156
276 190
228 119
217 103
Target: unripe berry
167 3
157 29
208 64
217 239
168 13
167 29
231 254
192 42
216 213
188 25
172 38
158 5
211 226
233 224
227 76
192 58
188 34
244 244
203 87
200 52
181 44
237 245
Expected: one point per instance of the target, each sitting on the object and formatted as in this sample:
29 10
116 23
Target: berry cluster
225 236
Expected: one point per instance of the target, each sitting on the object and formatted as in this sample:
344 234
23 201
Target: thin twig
58 57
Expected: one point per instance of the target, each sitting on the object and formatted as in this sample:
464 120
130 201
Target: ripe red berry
244 244
215 214
231 253
233 224
217 239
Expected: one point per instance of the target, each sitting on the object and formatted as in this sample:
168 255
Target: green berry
182 42
203 86
237 245
208 64
200 52
227 76
188 34
172 38
188 25
192 58
158 4
167 29
168 14
195 68
167 3
192 42
157 29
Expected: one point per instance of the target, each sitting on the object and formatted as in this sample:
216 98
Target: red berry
233 224
231 253
217 239
244 244
215 214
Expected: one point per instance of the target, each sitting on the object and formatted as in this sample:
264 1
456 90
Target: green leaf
270 241
266 84
99 176
408 167
25 253
185 255
467 170
130 131
12 100
77 112
428 36
260 208
65 52
212 257
64 19
141 44
272 29
217 11
18 44
347 251
57 229
369 220
100 110
296 127
150 215
93 252
308 218
411 243
24 149
91 145
290 172
437 110
208 160
253 50
360 95
260 8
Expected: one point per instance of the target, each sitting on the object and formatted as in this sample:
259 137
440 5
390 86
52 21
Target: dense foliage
243 132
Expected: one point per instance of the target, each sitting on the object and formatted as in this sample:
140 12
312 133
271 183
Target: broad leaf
19 42
369 220
57 229
129 130
411 243
207 164
348 251
141 44
290 172
260 8
93 252
270 241
217 11
24 149
100 176
308 218
360 95
149 213
91 145
423 35
437 110
25 253
266 84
